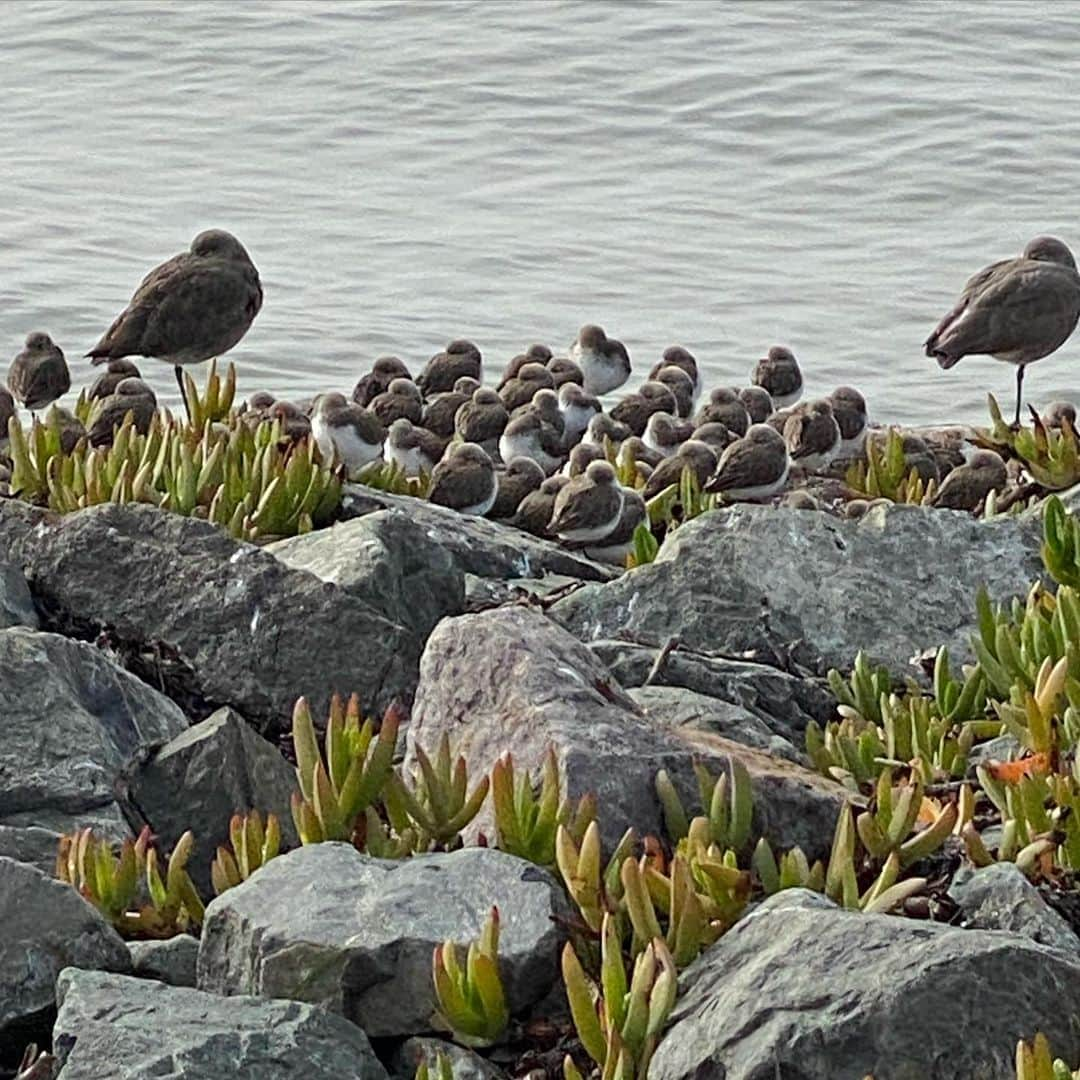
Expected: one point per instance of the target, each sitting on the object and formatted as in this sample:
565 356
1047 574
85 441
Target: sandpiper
680 384
849 409
699 457
587 510
295 424
383 372
778 373
800 499
439 411
724 407
967 486
193 307
459 358
414 449
400 399
39 374
581 457
520 477
602 427
520 389
758 403
545 404
464 480
259 402
564 370
482 419
578 408
714 434
346 431
7 411
812 435
665 434
526 435
604 362
677 356
635 409
534 354
1057 413
534 511
114 374
614 548
71 427
917 454
1017 310
754 467
131 395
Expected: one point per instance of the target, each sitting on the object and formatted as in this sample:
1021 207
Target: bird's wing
974 286
471 486
570 505
737 469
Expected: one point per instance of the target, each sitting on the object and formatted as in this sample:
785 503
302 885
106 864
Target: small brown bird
665 434
778 373
115 373
519 389
758 402
967 486
699 457
133 396
534 511
345 431
724 407
812 435
400 399
7 411
604 362
459 359
383 372
414 449
564 370
440 410
635 409
577 408
754 467
588 509
520 477
483 418
193 307
602 427
679 383
39 374
534 354
464 480
677 356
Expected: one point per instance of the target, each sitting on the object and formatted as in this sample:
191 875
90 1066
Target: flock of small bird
534 449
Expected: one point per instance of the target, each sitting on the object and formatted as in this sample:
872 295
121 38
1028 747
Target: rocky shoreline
151 664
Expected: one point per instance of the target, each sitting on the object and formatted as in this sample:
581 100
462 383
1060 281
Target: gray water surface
726 176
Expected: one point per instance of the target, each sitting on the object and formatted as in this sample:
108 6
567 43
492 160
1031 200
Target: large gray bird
191 308
1017 310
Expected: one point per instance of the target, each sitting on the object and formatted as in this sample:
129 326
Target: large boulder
800 988
328 925
478 546
74 725
387 559
114 1025
212 620
511 679
47 926
169 960
197 781
785 587
16 603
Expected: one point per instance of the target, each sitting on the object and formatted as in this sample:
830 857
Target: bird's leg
187 408
1019 385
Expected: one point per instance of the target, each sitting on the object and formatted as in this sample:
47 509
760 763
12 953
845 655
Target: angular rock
47 926
800 988
31 844
466 1065
674 707
74 725
328 925
479 546
171 961
777 585
785 702
387 559
16 603
511 679
999 897
197 781
113 1025
215 621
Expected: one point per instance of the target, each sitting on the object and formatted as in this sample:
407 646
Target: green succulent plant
1035 1062
645 547
1052 458
215 403
470 995
253 845
390 477
726 801
884 473
1061 543
441 1069
596 891
792 871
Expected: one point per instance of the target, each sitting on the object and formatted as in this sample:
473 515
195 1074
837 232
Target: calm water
824 175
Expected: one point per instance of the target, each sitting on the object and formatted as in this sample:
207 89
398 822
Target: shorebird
967 486
754 467
459 358
602 427
412 448
7 411
346 431
295 425
464 480
849 410
577 408
131 395
564 370
519 389
483 418
587 510
618 543
1017 310
439 411
534 354
400 399
545 404
812 435
698 456
383 372
581 457
193 307
714 434
724 407
778 373
527 436
665 434
39 374
115 373
534 511
1058 412
758 403
677 356
635 409
520 477
604 362
680 384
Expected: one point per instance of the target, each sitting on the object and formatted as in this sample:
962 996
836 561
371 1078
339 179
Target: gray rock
47 926
511 679
214 621
672 706
328 925
785 702
213 770
466 1065
479 546
800 988
16 603
784 587
387 559
32 844
113 1026
482 593
999 897
171 961
74 726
